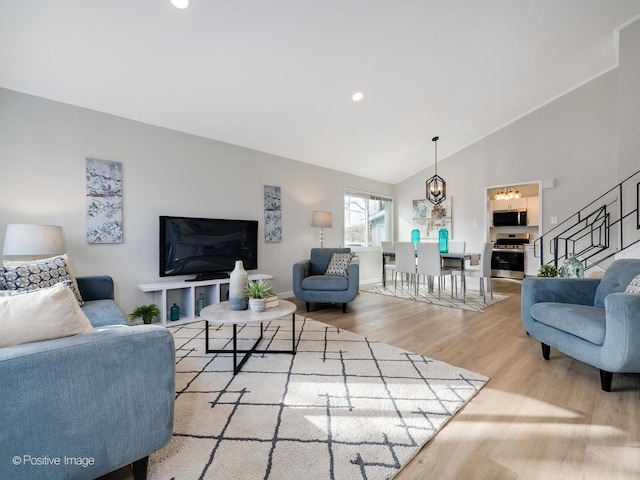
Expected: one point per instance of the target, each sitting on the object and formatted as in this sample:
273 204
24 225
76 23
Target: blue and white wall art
272 214
104 201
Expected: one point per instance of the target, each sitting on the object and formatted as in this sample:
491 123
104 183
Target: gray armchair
592 320
312 285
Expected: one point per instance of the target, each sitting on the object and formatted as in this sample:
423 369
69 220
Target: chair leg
308 304
605 380
140 468
546 350
344 308
490 287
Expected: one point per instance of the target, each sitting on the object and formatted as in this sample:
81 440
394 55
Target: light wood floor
535 419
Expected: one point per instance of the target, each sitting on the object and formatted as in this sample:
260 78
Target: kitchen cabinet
512 204
533 211
531 262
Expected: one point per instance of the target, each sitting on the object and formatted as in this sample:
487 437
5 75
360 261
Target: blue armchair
592 320
83 406
312 285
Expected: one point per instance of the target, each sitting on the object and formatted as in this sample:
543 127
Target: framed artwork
104 201
272 214
430 218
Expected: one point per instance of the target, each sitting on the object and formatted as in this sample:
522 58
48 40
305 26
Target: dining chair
484 271
430 264
389 259
405 263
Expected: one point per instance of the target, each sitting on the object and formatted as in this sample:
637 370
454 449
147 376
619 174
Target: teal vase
415 238
572 267
443 240
175 312
200 304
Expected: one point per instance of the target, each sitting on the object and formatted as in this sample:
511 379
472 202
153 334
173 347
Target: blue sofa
311 285
83 406
590 319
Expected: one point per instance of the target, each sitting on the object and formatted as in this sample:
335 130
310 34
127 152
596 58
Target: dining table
455 260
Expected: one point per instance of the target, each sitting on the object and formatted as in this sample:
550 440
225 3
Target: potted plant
256 291
548 271
146 312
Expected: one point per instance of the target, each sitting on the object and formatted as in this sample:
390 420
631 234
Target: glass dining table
454 260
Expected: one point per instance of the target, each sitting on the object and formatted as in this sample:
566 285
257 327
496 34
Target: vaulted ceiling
278 75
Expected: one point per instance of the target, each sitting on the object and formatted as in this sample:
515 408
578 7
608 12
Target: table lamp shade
34 240
322 219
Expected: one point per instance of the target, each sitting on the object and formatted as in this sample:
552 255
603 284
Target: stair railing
597 232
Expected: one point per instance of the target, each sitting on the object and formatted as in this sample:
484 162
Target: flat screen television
206 247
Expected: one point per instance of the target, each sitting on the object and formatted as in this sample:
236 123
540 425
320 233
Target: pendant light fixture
436 186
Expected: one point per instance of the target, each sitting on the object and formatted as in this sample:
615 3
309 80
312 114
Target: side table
220 313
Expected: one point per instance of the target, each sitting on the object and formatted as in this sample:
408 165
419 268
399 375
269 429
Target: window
367 219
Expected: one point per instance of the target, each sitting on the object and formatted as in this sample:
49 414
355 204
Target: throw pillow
38 274
634 285
41 314
65 257
339 264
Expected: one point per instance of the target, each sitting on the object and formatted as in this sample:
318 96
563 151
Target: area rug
473 300
344 407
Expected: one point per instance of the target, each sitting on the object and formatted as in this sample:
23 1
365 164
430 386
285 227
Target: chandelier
507 193
436 186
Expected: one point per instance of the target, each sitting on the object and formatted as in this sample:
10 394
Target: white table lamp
27 239
322 219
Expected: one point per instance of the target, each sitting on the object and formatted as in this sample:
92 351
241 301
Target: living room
585 138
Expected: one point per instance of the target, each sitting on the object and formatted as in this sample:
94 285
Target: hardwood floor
535 419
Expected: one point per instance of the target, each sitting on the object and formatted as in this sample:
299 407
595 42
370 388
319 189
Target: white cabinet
513 204
185 295
531 262
533 211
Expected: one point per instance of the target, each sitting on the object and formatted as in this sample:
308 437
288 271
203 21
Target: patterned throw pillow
634 285
32 276
339 264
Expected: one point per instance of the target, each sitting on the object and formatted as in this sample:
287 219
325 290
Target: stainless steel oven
507 258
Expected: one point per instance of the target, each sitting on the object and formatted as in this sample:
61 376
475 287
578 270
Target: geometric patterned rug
473 300
344 407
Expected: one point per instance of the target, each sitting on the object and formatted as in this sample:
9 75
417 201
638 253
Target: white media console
185 295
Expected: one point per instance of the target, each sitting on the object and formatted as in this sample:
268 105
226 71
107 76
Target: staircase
596 233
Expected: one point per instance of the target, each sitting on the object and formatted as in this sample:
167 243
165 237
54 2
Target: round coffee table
220 313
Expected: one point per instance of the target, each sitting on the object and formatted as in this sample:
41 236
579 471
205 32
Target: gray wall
43 146
587 140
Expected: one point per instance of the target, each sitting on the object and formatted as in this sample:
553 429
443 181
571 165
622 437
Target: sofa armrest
96 287
301 270
106 396
354 275
621 349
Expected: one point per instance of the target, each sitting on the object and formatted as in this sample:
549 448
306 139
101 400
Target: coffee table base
247 353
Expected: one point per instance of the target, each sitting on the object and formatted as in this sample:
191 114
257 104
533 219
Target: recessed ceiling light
357 96
181 4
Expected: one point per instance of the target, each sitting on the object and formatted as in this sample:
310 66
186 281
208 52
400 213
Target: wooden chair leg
344 308
308 304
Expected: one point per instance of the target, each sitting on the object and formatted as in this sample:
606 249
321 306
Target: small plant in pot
146 312
256 291
548 271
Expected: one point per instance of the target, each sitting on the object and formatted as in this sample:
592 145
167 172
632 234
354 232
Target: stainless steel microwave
512 218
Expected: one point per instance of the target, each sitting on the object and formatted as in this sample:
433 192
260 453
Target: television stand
208 276
166 293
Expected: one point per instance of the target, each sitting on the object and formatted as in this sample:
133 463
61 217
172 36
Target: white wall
43 146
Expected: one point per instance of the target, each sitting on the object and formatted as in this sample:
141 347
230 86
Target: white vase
237 283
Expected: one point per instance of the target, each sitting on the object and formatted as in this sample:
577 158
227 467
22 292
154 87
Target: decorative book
271 301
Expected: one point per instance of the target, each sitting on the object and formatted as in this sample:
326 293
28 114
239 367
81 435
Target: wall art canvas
272 214
430 218
104 201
